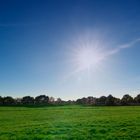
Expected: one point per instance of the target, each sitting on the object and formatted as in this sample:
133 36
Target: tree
101 100
42 99
27 100
59 101
90 100
70 102
8 100
78 101
83 101
117 101
18 101
1 100
110 100
137 99
127 100
51 100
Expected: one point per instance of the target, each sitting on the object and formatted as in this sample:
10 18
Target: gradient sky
39 38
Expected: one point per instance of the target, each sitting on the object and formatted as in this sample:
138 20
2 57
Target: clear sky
69 48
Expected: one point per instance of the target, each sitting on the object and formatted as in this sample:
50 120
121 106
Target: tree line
110 100
28 100
46 100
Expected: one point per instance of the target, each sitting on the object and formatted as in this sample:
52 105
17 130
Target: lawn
70 123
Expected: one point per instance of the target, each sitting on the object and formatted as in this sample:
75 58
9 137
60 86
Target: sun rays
87 54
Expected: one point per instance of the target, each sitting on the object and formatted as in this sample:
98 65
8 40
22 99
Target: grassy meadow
70 123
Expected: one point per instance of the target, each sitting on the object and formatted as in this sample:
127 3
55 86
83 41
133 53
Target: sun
87 57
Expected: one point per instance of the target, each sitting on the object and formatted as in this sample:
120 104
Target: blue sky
41 45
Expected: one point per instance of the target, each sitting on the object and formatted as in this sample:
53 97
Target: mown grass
70 123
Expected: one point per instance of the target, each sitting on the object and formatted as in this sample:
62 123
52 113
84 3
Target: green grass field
70 123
